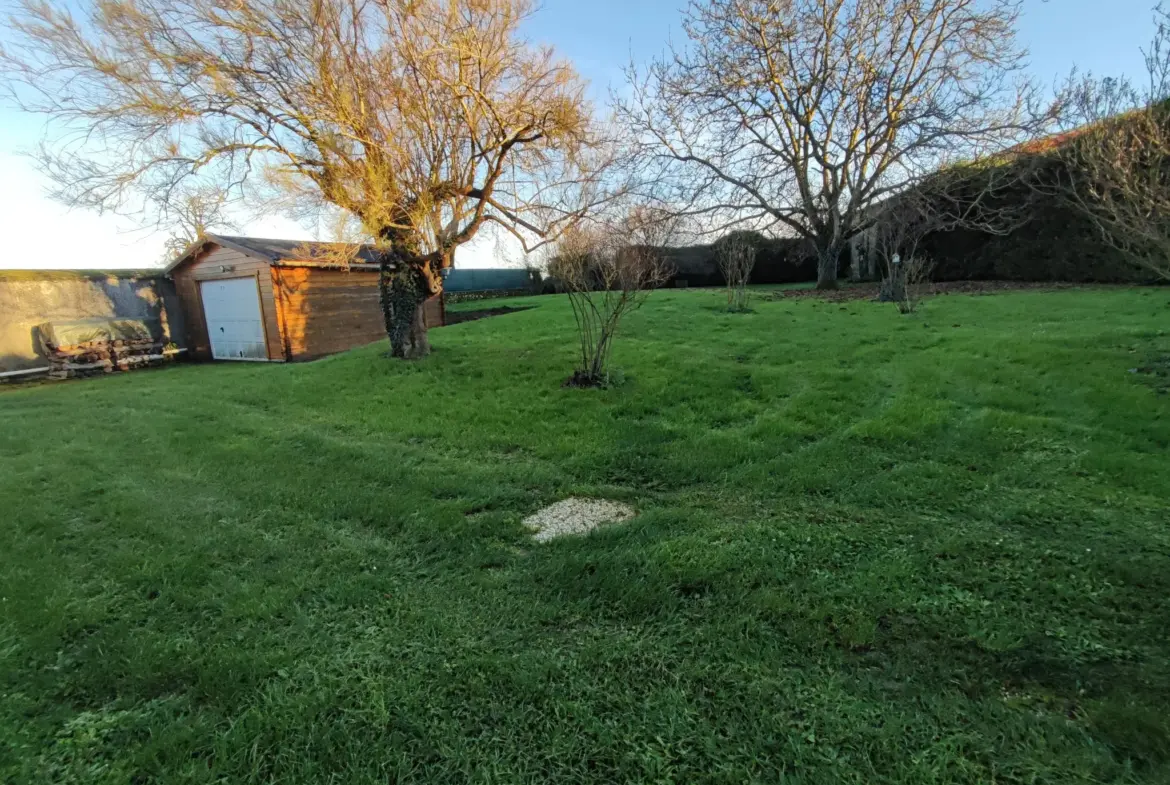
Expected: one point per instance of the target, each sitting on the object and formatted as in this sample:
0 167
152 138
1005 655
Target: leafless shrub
736 256
607 271
1119 176
192 213
1115 167
906 281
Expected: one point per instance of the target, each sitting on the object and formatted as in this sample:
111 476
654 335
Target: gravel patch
575 516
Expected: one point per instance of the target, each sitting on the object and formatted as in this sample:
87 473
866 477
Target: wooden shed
246 298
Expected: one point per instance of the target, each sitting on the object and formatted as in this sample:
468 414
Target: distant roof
277 251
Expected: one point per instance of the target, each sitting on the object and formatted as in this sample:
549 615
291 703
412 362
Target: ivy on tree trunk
402 293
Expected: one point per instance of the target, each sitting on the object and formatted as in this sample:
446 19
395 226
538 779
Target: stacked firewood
102 355
82 359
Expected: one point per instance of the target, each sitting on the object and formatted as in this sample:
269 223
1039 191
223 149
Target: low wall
30 297
494 294
464 279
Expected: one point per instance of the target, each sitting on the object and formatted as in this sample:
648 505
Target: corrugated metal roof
276 250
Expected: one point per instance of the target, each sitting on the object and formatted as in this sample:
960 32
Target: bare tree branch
424 119
1114 167
809 112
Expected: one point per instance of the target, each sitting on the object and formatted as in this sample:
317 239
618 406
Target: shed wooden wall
208 267
326 311
435 311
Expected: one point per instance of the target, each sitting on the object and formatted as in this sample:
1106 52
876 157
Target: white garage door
234 325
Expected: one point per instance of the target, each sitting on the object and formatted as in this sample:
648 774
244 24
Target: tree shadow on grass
723 309
458 317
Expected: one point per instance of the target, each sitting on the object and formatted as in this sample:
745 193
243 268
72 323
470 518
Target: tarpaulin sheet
72 333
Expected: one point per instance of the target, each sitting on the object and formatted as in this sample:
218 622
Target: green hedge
1056 244
778 260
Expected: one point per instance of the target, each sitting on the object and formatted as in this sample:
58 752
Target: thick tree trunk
416 344
403 289
855 271
827 267
402 294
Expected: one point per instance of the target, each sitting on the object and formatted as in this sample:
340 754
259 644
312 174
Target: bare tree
736 256
801 114
424 119
1114 167
608 269
193 213
906 281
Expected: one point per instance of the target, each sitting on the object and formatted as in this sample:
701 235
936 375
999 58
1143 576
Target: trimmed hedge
1057 244
778 260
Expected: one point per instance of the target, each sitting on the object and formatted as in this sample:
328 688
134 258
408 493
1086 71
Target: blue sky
600 36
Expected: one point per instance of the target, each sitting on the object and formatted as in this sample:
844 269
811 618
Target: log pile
103 353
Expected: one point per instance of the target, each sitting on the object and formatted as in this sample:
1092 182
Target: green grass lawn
871 549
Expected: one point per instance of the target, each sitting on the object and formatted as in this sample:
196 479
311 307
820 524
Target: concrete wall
31 297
